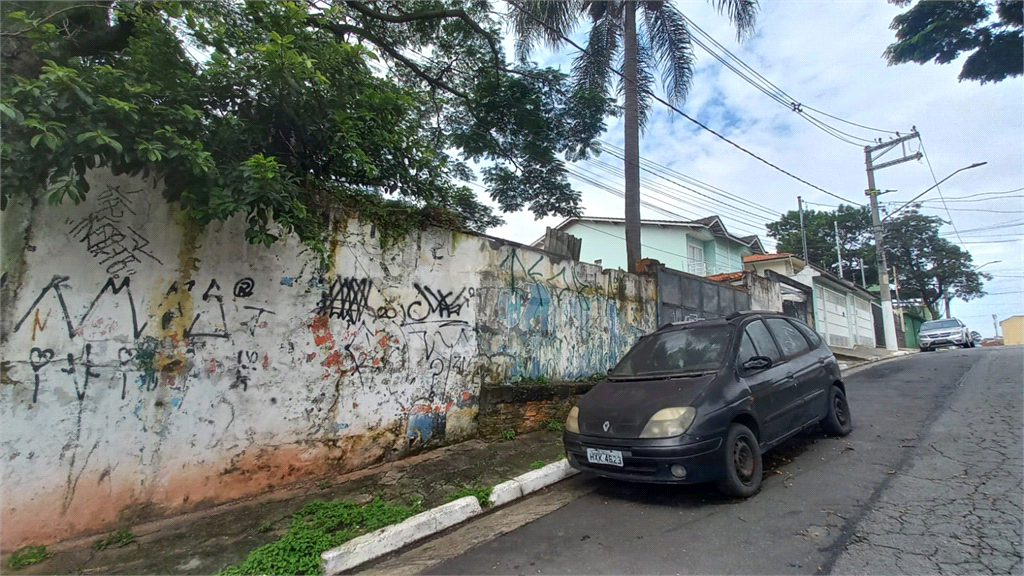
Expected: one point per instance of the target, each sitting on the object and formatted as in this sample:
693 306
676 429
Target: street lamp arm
929 189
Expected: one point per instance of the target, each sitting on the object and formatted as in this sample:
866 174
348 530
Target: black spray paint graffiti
346 299
216 332
247 362
58 281
244 288
88 364
38 359
125 356
443 304
106 240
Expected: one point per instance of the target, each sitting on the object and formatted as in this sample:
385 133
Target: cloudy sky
827 56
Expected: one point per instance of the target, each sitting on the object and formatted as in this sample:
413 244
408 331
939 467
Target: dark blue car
701 401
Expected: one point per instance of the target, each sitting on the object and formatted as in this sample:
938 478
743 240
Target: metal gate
865 323
683 296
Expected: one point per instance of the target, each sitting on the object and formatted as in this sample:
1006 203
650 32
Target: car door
774 389
804 366
816 393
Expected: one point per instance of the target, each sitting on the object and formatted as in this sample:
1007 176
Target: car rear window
676 351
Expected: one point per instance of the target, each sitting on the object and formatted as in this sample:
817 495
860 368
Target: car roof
731 319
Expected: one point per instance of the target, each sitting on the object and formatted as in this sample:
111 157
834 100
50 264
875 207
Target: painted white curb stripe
505 492
536 479
391 538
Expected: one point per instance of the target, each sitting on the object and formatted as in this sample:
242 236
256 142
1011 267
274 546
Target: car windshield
675 352
940 325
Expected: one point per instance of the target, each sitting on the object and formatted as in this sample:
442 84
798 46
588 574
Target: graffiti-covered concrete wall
151 365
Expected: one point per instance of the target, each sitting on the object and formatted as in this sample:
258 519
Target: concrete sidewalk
851 357
205 542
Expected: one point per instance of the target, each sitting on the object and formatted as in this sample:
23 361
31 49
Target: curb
390 538
858 366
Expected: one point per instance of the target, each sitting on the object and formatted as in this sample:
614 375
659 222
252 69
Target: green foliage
856 238
265 527
279 112
554 426
27 556
507 435
122 537
536 465
481 493
317 527
943 31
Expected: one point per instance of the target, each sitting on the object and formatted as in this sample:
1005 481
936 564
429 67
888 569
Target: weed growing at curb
536 464
482 494
121 537
265 527
316 527
507 435
27 556
554 426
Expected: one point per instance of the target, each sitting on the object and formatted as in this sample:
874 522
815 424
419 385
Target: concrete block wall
526 407
152 366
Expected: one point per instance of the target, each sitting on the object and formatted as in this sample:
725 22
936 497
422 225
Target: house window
696 264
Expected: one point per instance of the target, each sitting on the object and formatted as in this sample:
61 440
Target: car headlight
669 422
572 422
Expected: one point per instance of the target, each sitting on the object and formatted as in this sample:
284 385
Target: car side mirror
758 363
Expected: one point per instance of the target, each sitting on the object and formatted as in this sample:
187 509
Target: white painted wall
151 365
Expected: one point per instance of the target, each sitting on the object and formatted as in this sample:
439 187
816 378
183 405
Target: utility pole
803 234
995 327
888 322
863 282
839 253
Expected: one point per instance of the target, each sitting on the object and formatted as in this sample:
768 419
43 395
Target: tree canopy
288 111
942 30
928 267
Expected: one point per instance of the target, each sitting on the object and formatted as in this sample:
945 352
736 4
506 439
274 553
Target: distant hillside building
1013 330
701 247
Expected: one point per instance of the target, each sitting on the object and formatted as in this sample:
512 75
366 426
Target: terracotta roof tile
726 276
760 257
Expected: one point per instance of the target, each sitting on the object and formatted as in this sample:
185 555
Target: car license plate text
610 457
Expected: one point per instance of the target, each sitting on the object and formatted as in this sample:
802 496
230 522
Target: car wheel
837 422
742 463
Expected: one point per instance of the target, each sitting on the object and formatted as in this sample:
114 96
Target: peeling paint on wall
152 366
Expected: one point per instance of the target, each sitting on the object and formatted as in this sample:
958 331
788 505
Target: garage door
865 323
831 308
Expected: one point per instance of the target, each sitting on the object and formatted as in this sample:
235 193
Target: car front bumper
935 342
649 460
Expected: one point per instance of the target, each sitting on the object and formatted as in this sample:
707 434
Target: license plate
609 457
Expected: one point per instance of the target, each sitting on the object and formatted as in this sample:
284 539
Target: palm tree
662 42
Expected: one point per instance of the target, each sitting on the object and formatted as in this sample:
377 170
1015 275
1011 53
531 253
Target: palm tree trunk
632 139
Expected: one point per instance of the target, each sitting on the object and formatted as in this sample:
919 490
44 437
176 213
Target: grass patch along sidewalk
317 527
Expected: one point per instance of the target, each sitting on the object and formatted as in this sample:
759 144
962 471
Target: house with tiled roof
842 310
702 247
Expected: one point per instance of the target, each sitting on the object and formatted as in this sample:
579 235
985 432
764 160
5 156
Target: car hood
626 406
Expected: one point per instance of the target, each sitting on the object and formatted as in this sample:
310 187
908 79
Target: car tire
741 457
837 422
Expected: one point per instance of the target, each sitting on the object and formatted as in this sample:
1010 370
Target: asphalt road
932 471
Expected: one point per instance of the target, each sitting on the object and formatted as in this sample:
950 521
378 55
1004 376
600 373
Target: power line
775 93
619 153
936 180
677 110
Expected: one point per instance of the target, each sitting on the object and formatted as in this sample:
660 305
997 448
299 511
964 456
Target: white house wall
151 365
